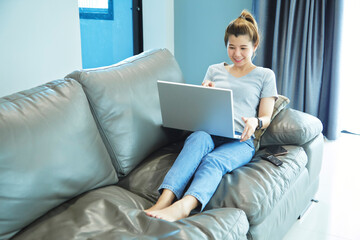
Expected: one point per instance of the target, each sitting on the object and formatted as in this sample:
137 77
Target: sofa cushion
148 176
124 99
255 188
115 213
280 104
291 127
259 186
50 151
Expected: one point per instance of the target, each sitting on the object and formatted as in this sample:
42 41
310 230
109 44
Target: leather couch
82 157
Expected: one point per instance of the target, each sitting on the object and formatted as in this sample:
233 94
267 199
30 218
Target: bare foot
164 201
178 210
171 213
156 207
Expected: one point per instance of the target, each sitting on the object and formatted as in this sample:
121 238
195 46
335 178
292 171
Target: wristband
260 124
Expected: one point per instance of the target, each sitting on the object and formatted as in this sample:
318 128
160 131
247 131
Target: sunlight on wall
350 69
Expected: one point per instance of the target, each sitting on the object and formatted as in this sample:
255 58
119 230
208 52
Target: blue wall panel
105 42
199 33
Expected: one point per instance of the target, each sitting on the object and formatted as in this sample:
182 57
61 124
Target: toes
153 215
149 214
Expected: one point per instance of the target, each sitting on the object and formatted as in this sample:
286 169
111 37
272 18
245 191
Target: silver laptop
197 108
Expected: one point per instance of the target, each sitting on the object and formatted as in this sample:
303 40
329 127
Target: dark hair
245 24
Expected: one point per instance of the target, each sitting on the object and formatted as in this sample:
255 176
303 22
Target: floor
337 214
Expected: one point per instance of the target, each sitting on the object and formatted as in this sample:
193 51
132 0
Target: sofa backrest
124 100
50 151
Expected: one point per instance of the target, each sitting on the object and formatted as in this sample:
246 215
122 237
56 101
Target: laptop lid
197 108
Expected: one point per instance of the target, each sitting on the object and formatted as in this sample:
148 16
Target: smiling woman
240 50
205 158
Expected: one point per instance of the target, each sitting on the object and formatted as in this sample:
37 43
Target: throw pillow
280 104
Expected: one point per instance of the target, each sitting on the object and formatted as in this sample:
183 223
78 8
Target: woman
204 159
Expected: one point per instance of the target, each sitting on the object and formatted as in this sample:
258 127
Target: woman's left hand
250 127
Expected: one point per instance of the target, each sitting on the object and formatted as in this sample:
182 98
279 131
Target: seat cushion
255 188
50 151
148 176
125 102
258 186
115 213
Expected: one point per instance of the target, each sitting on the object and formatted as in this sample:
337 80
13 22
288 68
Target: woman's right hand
208 83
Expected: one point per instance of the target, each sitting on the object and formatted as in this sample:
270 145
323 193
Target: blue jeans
206 159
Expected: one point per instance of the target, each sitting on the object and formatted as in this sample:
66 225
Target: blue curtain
301 41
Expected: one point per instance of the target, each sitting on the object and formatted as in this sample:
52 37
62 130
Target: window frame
138 38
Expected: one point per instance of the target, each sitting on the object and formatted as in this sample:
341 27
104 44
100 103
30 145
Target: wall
158 24
105 42
39 42
199 33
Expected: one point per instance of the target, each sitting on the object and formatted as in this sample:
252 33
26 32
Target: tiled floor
337 215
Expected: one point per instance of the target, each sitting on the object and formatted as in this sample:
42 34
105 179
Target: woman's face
240 50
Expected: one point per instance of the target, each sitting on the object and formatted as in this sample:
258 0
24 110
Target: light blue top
247 90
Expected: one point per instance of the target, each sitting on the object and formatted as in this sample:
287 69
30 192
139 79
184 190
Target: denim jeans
205 159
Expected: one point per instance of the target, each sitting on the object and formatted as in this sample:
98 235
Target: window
96 9
105 42
349 76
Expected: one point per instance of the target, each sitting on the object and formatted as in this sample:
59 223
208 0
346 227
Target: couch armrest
291 127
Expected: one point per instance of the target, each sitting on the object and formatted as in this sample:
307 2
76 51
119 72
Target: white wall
39 42
158 24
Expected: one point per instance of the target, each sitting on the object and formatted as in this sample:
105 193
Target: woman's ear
255 47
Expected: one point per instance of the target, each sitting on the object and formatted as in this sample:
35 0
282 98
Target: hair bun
246 15
240 27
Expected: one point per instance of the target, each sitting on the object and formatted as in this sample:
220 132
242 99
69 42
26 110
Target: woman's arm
266 109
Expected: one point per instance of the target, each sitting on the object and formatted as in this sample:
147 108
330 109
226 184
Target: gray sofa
82 157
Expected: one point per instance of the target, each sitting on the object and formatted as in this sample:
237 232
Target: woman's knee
200 135
202 140
212 162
